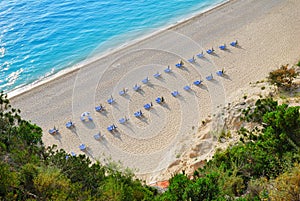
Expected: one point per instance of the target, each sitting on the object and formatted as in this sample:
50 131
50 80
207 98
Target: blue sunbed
82 147
175 93
121 93
201 55
146 80
138 114
187 88
111 127
157 75
219 72
97 136
210 77
234 43
167 70
222 47
147 106
99 108
209 51
122 120
53 131
192 60
197 82
136 87
179 65
69 124
110 101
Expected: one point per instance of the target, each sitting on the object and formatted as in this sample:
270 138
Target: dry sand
268 33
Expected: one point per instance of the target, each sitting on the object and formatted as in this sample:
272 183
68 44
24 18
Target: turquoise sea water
40 38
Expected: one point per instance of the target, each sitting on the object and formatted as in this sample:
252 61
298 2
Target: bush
287 185
283 77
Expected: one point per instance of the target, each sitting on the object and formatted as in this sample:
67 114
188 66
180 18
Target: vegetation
264 165
283 77
249 170
29 171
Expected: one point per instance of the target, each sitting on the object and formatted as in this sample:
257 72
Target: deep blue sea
40 38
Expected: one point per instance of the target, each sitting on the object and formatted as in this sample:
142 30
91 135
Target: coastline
152 145
112 50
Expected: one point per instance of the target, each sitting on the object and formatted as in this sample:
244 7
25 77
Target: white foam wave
12 78
2 52
5 66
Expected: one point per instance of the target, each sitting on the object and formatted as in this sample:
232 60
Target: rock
193 155
174 163
197 165
196 148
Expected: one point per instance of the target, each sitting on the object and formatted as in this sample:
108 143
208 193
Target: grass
224 135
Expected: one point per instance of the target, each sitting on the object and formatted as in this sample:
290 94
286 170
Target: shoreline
151 144
27 87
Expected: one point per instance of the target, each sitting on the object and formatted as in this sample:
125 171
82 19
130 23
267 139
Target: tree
284 123
177 188
50 184
8 181
204 188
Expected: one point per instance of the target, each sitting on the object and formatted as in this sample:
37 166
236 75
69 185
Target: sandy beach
268 34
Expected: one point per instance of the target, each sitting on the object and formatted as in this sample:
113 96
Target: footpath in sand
268 33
